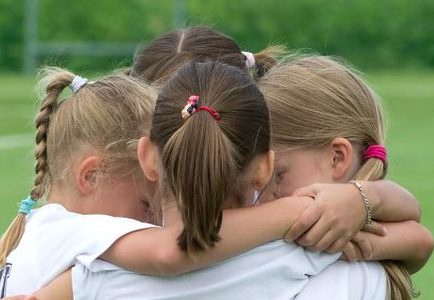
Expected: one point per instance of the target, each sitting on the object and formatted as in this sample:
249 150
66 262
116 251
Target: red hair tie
375 151
192 108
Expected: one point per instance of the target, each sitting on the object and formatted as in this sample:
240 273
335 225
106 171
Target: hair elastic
250 59
375 151
77 83
26 205
192 108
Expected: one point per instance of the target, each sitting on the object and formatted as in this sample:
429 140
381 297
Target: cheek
286 186
292 181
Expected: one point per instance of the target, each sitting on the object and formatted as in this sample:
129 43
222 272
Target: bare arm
390 202
155 251
408 242
59 289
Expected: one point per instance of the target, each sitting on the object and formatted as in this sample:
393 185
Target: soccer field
409 97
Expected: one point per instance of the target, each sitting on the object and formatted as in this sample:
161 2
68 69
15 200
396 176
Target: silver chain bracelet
368 221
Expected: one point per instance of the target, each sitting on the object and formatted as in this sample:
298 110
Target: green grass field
409 97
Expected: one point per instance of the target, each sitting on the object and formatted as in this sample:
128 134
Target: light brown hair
314 99
166 54
107 115
202 158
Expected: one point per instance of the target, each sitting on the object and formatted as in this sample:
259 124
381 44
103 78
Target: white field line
16 141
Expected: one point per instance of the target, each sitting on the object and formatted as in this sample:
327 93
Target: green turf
409 97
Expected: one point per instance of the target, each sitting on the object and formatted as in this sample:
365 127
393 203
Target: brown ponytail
203 157
14 233
314 99
266 59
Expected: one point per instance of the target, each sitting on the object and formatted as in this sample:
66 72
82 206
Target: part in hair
164 55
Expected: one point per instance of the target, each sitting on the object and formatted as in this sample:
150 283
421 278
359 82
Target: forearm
59 289
390 202
155 251
408 242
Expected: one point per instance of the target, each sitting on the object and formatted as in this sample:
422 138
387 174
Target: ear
341 157
147 155
86 172
263 170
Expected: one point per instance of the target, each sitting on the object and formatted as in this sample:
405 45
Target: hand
359 248
329 223
351 252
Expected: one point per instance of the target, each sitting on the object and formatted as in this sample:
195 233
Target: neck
68 199
171 214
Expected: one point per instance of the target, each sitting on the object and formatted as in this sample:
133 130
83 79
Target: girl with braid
97 196
204 170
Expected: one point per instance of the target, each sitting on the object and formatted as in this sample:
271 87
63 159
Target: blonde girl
86 164
208 149
167 53
328 126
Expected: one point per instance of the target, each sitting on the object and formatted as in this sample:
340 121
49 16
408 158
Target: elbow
417 209
425 246
169 262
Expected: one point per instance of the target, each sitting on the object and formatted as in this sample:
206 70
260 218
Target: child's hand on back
332 220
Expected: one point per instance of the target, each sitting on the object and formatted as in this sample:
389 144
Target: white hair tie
250 59
77 83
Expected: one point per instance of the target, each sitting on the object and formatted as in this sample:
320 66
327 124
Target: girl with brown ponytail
209 148
86 164
328 126
167 53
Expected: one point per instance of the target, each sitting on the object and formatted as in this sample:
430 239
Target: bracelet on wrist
368 221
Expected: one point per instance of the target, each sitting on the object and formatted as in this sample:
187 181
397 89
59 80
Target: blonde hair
203 159
107 116
314 99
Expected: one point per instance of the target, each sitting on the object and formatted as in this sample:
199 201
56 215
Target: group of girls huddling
218 173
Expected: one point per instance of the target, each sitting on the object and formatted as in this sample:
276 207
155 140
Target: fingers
318 235
350 252
337 246
364 245
376 228
308 218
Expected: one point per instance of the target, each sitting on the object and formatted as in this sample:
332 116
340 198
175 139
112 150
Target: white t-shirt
54 240
364 280
272 271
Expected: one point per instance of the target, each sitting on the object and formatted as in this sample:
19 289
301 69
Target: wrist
365 202
375 200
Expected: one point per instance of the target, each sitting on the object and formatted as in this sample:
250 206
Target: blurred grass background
391 41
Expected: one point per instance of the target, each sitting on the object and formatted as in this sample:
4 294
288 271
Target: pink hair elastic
192 108
375 151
